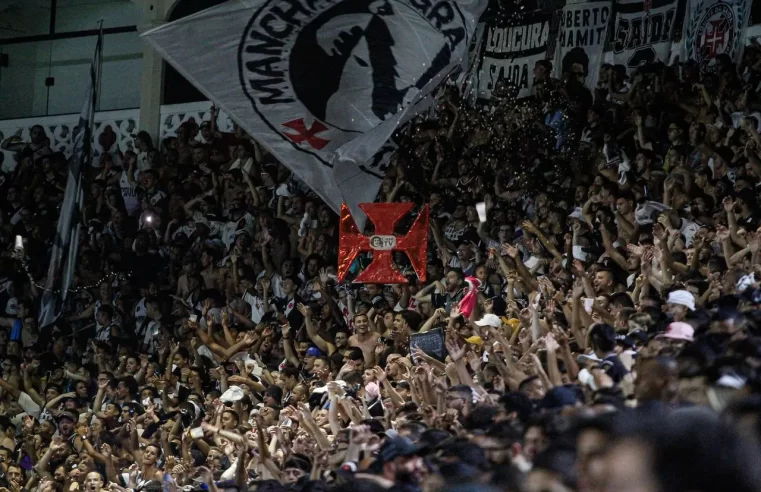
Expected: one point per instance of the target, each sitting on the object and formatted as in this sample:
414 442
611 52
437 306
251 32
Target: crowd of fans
601 326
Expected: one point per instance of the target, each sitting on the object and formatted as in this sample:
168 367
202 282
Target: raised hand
304 310
529 226
728 204
455 352
455 311
635 249
324 277
509 250
550 343
379 373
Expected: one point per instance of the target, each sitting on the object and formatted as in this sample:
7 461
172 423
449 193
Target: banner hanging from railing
580 43
713 28
644 32
512 46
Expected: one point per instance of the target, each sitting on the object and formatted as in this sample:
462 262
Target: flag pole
64 252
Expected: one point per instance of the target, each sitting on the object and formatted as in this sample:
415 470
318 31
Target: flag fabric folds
322 84
65 247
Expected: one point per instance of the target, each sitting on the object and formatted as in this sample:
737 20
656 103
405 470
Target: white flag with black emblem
322 84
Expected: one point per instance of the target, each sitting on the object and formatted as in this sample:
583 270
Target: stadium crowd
598 330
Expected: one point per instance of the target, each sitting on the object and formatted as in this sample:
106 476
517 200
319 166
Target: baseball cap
275 392
67 415
396 447
313 352
559 397
513 323
233 393
475 340
490 320
679 330
682 298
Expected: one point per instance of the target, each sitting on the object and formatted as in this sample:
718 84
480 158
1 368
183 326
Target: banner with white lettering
512 46
644 31
713 28
581 37
322 84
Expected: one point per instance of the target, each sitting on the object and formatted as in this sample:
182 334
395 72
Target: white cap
490 320
233 394
682 298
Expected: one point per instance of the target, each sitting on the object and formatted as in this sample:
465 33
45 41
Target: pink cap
372 390
679 330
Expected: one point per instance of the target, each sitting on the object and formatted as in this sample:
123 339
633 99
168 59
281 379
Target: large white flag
322 83
63 256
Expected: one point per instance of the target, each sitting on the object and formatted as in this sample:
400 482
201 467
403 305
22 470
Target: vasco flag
63 257
383 243
713 28
644 31
512 45
581 38
322 83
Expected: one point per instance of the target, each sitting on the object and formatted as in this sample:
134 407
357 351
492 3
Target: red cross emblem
308 135
713 40
384 216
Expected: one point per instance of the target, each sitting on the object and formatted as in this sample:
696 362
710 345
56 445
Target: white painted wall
22 83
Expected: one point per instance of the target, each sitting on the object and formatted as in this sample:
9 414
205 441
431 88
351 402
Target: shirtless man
364 339
213 276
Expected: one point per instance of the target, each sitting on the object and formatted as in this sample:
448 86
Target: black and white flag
643 32
322 84
63 258
582 32
511 47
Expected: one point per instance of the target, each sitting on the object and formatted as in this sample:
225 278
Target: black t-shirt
749 222
443 300
290 309
156 197
616 369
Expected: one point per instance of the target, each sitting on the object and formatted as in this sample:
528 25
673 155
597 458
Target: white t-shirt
129 194
276 284
25 401
257 306
228 230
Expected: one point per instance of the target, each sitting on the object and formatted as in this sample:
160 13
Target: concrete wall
22 83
